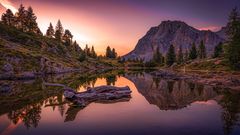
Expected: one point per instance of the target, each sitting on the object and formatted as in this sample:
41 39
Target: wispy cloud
8 5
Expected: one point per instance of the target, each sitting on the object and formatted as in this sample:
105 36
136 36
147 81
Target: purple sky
120 23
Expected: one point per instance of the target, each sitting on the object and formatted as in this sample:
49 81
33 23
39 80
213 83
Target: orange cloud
212 28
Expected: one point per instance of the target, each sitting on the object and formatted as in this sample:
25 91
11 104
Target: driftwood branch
98 94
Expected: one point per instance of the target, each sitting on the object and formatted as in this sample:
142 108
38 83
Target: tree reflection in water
231 108
29 115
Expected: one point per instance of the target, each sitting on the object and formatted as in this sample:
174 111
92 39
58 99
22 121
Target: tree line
25 20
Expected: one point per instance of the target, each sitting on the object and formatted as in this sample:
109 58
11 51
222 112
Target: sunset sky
121 23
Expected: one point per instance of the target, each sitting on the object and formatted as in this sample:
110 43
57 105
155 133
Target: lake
157 106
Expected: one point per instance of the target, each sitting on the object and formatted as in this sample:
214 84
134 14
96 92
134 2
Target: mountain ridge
174 32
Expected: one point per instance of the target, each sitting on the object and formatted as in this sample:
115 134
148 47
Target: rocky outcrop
172 32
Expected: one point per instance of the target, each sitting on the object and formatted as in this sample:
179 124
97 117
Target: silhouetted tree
30 22
67 37
171 56
180 55
50 31
87 50
93 53
193 52
8 18
202 50
59 31
233 33
21 18
76 47
157 56
218 50
113 54
108 52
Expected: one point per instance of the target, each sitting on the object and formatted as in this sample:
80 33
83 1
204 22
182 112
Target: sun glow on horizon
8 5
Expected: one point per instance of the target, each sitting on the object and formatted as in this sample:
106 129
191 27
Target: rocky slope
23 55
172 32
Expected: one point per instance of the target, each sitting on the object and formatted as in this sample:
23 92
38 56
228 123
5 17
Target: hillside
25 55
172 32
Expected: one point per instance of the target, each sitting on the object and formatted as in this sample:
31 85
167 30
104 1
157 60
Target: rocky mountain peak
177 33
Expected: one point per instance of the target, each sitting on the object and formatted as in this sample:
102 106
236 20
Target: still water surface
157 106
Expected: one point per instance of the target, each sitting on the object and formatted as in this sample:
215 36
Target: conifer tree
108 52
8 18
67 37
76 47
180 56
87 50
193 52
59 31
21 18
157 56
113 53
31 23
93 53
218 50
202 50
171 56
233 33
50 31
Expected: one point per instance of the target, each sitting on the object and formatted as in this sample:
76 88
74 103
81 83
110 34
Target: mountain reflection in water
27 102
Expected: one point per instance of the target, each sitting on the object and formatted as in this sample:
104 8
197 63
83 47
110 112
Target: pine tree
59 31
218 50
193 52
233 33
186 56
113 54
8 18
93 53
108 52
180 56
87 50
76 47
202 51
21 18
31 23
50 31
67 37
171 56
157 56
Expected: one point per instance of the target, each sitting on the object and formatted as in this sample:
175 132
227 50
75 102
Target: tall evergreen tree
193 52
87 50
31 22
67 37
218 50
171 56
113 53
8 18
180 58
21 18
233 33
59 31
157 56
108 52
76 47
50 31
93 53
202 50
